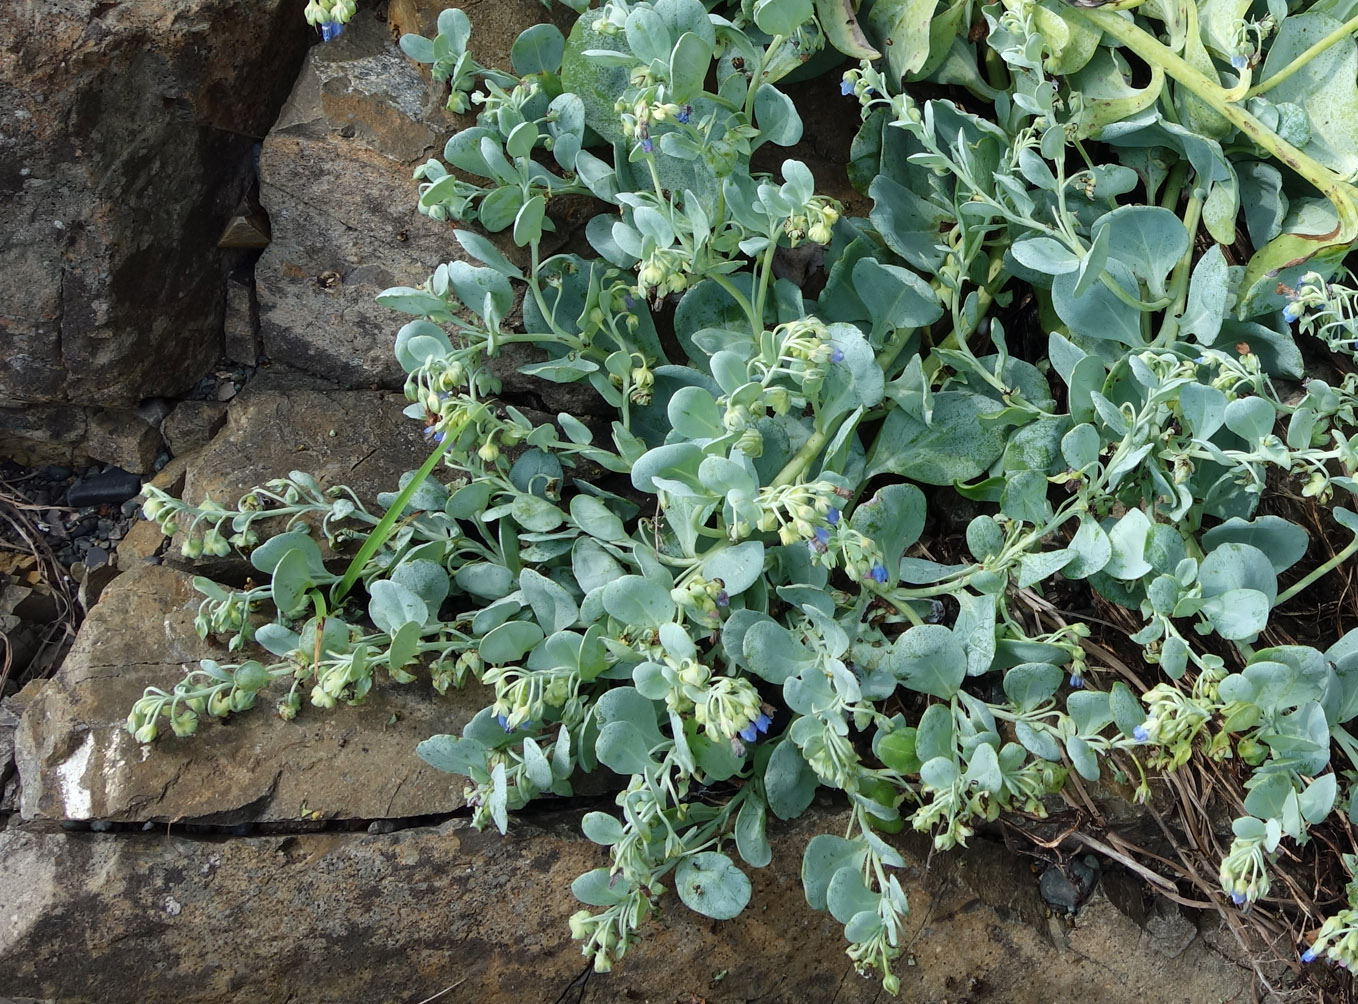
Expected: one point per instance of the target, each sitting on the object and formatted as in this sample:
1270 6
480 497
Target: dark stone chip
113 485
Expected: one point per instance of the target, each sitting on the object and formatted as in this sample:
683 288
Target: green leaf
1127 541
738 566
291 580
1045 256
1039 743
623 749
935 736
837 18
688 67
896 750
776 115
772 653
453 754
1148 239
1036 567
1208 292
902 28
1083 757
955 446
983 769
826 854
781 17
391 606
538 50
751 841
601 828
1326 87
1203 407
1029 684
1089 709
1250 418
789 782
847 895
710 883
929 659
509 642
1282 542
1091 548
600 887
638 602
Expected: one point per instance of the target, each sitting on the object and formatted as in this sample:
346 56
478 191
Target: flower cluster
702 597
1174 721
330 16
815 222
523 696
730 708
663 272
1337 940
1244 870
1328 310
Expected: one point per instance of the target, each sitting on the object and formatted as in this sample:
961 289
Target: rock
142 540
241 323
335 177
192 424
125 141
76 760
399 917
123 438
42 434
354 438
111 485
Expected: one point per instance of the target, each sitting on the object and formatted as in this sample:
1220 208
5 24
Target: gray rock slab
192 424
76 760
125 142
335 177
400 917
355 438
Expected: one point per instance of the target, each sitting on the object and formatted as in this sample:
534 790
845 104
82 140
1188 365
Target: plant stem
1338 35
1324 569
1334 188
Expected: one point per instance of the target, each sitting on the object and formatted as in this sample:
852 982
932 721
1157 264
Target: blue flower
822 535
723 599
647 146
1311 954
836 355
1238 898
1141 734
752 731
846 87
504 724
1239 62
628 302
878 571
685 114
1291 312
1077 682
832 517
331 30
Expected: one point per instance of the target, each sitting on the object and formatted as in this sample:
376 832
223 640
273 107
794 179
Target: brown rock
241 323
125 139
354 438
76 760
124 439
398 918
192 424
335 177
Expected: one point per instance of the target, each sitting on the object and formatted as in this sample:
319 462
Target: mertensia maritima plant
725 586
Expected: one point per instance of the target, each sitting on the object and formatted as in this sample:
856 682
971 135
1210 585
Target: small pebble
95 557
113 485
